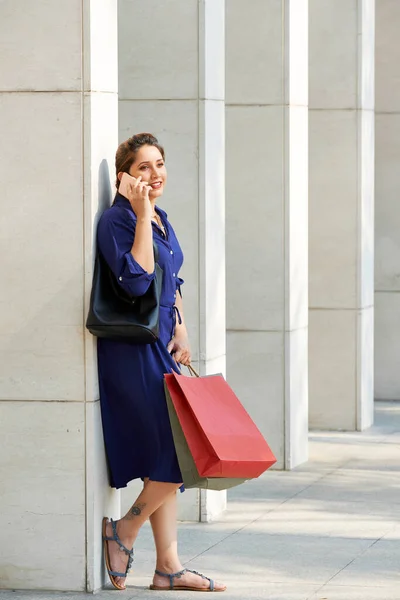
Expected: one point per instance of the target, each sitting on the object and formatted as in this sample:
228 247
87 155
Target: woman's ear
119 175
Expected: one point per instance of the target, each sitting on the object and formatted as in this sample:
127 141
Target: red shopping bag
222 438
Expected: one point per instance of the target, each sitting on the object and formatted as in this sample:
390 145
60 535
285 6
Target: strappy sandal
184 587
129 553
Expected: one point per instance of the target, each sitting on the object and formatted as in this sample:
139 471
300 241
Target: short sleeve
179 283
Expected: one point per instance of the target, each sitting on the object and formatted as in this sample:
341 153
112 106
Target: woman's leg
164 525
153 495
165 531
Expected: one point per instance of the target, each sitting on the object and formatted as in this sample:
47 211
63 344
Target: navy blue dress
136 427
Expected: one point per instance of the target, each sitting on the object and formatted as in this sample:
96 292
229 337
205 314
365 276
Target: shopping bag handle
192 371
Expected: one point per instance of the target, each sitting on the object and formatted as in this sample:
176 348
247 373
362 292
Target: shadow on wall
105 191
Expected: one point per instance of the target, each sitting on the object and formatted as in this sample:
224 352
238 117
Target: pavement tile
244 590
334 592
279 558
42 595
380 563
274 485
357 485
302 516
394 534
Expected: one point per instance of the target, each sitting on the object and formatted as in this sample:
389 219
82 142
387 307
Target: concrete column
59 132
267 255
174 88
387 270
341 213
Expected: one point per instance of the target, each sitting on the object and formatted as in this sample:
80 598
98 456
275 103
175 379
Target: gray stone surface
267 218
333 592
341 209
328 530
59 112
387 216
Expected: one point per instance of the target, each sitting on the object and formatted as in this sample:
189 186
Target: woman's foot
187 580
117 558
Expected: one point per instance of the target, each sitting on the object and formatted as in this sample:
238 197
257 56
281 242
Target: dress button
171 251
173 275
120 278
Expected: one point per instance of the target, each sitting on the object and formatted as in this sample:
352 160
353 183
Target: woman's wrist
144 219
180 330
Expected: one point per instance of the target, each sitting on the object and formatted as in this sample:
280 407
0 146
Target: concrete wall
59 127
387 226
341 213
266 218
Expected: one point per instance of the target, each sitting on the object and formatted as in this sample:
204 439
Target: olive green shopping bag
190 474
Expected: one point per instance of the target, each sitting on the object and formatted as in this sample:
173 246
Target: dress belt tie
174 311
178 314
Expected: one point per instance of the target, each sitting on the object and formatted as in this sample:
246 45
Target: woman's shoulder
117 215
116 223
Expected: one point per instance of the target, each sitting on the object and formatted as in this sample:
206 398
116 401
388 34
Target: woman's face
149 163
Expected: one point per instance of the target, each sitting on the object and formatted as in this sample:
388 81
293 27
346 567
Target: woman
136 427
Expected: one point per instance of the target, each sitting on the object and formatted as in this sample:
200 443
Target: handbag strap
192 371
155 248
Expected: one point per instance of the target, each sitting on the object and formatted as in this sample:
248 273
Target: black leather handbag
116 315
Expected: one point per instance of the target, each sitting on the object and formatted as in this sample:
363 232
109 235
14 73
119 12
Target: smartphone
123 184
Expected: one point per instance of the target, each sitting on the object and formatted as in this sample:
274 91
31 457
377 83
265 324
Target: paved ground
328 530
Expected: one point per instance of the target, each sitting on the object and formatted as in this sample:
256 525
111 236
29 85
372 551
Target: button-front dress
137 433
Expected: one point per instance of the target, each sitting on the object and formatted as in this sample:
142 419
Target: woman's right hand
138 195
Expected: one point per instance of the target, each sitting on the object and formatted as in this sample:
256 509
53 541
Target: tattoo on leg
136 509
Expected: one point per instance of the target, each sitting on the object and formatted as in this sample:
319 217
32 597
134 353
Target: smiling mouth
156 185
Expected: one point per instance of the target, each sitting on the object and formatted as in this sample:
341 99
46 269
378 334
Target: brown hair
127 151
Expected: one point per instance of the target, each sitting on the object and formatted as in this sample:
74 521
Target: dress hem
120 486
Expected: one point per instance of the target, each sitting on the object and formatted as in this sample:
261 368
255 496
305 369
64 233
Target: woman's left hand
180 349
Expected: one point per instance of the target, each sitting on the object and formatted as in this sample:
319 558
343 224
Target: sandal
184 587
115 538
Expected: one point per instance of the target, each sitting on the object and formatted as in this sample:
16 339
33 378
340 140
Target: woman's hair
127 151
